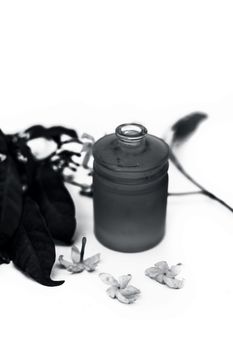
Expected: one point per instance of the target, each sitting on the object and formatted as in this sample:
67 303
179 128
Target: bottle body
130 196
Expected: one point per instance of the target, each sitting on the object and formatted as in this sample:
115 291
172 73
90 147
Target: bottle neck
131 134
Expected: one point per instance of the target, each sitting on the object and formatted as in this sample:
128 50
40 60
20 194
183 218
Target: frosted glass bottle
130 184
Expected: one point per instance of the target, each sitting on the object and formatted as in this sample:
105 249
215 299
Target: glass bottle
130 184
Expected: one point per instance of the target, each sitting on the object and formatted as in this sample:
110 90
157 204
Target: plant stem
184 193
204 191
84 241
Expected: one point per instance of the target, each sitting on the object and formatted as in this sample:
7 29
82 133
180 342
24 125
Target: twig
204 191
184 193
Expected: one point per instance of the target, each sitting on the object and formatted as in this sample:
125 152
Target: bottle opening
131 132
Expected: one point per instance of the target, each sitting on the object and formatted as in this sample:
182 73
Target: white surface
92 65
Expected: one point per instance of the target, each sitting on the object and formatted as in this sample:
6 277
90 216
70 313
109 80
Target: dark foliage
33 250
54 133
10 194
4 255
65 159
87 192
35 206
55 203
26 163
185 126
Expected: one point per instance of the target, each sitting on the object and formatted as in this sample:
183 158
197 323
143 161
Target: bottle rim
131 133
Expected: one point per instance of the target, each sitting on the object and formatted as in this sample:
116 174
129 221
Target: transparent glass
130 184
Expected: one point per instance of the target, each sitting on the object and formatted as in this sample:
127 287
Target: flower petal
155 274
76 268
108 279
91 263
152 272
75 254
162 266
129 291
64 262
124 280
111 291
173 282
125 300
159 278
174 270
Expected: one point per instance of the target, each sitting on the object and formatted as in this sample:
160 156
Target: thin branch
184 193
209 194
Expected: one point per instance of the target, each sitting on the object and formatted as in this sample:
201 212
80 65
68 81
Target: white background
92 65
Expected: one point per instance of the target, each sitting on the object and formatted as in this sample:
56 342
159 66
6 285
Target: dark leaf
33 250
53 133
55 203
3 143
87 192
66 154
4 256
23 158
56 132
10 194
36 131
185 126
65 159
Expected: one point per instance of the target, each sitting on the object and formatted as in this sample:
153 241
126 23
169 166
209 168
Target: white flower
78 264
161 273
120 289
